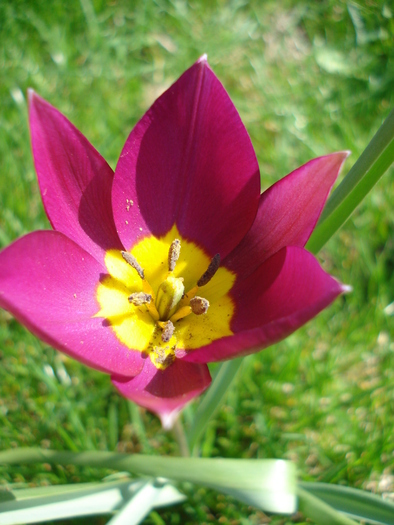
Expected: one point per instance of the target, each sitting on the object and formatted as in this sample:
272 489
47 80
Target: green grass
307 78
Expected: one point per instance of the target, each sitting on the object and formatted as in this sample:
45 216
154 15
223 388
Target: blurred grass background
308 78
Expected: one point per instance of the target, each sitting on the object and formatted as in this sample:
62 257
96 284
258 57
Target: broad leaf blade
6 495
356 503
41 504
319 511
139 506
268 484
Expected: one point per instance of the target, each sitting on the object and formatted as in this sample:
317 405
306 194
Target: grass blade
372 164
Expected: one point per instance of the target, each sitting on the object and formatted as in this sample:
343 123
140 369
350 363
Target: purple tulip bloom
175 260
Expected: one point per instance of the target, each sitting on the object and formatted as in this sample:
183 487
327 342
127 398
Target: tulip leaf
372 164
6 495
356 503
317 510
139 506
267 484
211 401
84 499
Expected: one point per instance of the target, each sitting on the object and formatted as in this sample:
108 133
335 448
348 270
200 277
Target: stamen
163 357
168 331
130 259
199 305
184 311
140 298
212 269
173 254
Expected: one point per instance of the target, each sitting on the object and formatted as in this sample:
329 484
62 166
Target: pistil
168 296
170 304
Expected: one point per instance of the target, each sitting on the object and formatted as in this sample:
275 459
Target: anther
168 331
173 254
130 259
140 298
212 269
199 305
162 357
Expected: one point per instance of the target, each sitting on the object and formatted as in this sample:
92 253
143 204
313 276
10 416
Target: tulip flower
176 259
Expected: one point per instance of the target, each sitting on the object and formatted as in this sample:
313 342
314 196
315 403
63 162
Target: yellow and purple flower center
166 295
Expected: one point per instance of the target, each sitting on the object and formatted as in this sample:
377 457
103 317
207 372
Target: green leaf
41 504
318 511
356 503
212 399
372 164
138 507
267 484
6 495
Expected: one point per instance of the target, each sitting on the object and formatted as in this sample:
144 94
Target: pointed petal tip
203 59
34 99
346 288
343 154
168 419
31 96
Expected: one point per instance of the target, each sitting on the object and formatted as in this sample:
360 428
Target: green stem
212 400
180 437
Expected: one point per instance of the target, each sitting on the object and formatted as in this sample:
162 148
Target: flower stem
212 400
180 437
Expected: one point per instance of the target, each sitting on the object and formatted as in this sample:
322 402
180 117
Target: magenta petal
49 284
288 212
75 181
284 293
188 161
165 392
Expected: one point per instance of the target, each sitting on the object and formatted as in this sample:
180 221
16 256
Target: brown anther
161 358
140 298
199 305
130 259
173 254
212 269
168 331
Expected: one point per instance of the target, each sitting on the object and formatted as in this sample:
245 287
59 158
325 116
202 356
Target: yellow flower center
165 295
